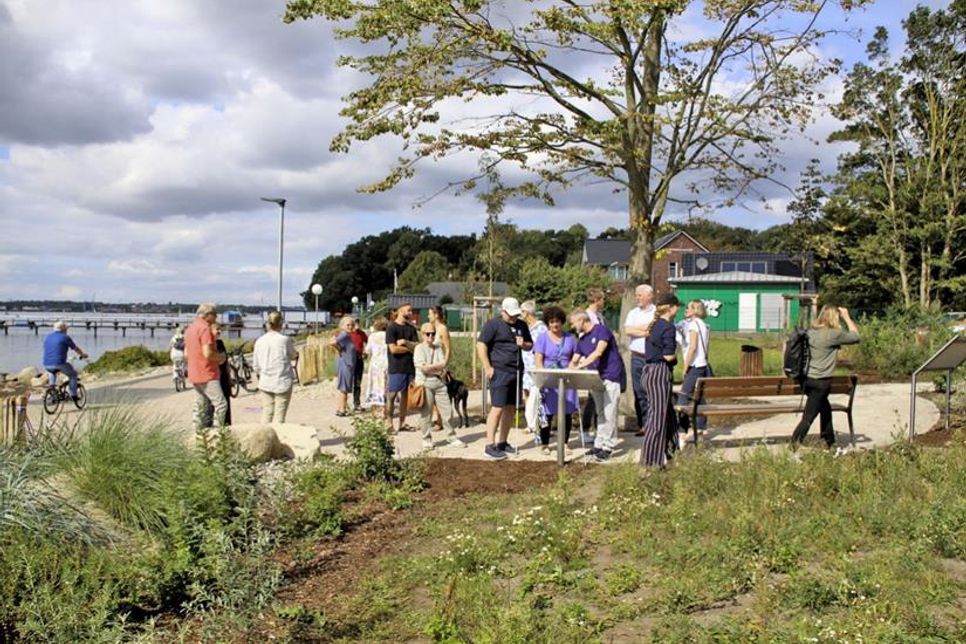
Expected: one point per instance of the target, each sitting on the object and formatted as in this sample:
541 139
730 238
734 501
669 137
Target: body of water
20 348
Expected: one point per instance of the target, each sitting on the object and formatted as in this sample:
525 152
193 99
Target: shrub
896 344
128 359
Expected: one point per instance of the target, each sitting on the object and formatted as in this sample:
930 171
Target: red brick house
669 257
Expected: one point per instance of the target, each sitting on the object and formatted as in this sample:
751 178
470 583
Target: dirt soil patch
336 567
942 437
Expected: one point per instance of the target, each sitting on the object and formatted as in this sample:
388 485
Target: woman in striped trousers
660 356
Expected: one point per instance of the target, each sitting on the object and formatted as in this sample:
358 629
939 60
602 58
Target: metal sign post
948 358
564 379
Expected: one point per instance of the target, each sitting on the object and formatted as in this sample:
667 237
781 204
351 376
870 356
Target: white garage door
771 310
747 311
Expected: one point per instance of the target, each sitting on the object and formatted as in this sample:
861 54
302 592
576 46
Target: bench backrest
765 386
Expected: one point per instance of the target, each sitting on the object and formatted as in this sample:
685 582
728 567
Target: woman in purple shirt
553 350
660 356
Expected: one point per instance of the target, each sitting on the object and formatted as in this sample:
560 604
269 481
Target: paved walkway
880 412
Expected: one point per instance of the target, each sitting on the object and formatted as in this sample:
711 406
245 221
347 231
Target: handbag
417 396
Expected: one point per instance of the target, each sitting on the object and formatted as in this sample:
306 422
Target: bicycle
56 395
241 373
180 375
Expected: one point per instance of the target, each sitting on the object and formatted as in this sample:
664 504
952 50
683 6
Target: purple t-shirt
609 366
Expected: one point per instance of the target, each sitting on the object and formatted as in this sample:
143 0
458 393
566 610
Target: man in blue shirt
56 345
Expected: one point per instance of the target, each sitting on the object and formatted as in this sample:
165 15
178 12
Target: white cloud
137 138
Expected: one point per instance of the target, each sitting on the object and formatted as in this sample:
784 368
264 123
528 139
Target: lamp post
281 240
355 307
316 291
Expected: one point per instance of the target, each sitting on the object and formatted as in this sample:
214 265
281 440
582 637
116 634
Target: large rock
301 440
278 441
260 443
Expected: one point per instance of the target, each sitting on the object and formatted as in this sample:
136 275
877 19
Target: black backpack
797 354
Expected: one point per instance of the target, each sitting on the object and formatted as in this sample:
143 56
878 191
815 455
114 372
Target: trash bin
752 361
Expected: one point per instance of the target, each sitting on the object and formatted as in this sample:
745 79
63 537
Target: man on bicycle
56 345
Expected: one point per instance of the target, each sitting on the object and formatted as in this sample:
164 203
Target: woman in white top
272 361
430 361
695 335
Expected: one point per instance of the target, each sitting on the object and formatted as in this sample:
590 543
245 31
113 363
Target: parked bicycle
240 372
180 375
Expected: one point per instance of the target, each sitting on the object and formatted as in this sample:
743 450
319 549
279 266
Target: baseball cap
511 305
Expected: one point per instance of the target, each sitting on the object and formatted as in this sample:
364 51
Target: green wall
727 294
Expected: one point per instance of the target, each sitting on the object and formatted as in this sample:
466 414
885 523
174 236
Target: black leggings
816 404
552 423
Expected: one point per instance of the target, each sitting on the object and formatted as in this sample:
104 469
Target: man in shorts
401 341
499 346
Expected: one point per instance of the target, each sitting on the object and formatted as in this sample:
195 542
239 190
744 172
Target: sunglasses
429 333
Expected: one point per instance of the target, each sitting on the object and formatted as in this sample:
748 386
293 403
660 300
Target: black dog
458 394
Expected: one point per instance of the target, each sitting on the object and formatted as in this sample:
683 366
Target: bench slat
763 386
751 410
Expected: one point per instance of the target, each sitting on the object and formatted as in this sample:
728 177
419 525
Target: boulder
301 440
260 442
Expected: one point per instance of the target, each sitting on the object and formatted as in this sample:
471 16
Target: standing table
564 379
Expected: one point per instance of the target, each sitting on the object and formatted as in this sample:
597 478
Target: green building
743 301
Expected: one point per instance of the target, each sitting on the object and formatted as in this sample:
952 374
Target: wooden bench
718 388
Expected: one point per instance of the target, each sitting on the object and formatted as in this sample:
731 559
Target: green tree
622 97
907 178
564 286
428 266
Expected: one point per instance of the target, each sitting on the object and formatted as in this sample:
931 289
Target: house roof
421 301
732 277
457 290
604 252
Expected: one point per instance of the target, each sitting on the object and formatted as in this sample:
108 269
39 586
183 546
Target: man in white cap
56 345
499 346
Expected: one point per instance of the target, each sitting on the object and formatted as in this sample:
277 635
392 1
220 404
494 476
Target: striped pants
659 425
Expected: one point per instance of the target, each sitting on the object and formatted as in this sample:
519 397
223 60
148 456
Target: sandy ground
881 413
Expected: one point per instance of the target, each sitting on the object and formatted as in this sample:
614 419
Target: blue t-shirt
56 345
500 338
609 366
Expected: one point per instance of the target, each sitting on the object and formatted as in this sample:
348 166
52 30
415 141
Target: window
672 270
619 273
745 267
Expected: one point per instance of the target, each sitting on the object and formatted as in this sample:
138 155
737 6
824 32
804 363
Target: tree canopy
576 93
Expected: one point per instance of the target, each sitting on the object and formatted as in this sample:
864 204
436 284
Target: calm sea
21 348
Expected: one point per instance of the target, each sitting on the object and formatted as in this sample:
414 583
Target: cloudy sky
137 137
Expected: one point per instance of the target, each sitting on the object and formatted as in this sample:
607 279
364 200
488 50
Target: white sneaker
545 450
840 451
427 444
455 442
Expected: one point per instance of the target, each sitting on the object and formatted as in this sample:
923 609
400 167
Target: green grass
128 359
870 547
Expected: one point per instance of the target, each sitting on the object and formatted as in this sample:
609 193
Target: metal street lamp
281 241
355 307
317 291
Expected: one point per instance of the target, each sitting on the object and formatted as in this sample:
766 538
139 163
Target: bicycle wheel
81 401
51 400
179 384
233 376
248 382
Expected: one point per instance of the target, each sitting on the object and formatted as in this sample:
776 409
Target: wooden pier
150 325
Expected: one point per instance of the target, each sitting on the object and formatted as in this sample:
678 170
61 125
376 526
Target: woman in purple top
553 350
660 423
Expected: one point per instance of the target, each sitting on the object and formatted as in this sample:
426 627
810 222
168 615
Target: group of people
516 342
207 370
509 346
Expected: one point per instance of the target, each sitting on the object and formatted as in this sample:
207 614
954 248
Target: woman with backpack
825 337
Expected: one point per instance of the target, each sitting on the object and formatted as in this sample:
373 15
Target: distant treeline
416 256
70 306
